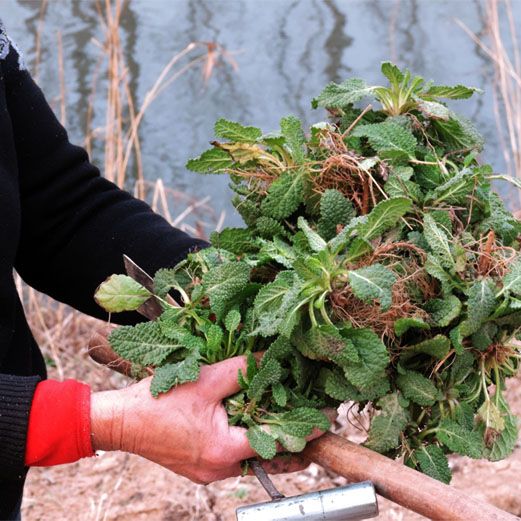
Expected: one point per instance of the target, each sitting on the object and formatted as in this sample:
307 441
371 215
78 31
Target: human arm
185 430
76 225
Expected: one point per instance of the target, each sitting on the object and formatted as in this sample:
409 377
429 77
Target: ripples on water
288 50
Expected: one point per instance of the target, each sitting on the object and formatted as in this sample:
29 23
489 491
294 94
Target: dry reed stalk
503 50
61 75
38 40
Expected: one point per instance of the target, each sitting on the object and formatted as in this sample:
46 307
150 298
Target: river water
286 51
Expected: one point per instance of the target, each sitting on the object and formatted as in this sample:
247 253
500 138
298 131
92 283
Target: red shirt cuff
59 424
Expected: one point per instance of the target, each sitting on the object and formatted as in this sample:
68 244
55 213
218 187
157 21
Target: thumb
221 379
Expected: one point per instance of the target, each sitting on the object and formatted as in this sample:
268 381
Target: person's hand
185 430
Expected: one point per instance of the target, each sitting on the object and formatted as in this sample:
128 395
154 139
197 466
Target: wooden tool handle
392 480
399 483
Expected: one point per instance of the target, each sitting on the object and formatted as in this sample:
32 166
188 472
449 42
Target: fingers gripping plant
376 266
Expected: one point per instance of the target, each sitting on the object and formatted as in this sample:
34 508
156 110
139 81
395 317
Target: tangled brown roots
410 274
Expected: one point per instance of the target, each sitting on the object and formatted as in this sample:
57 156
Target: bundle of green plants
376 266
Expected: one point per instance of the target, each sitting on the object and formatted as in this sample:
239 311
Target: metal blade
151 309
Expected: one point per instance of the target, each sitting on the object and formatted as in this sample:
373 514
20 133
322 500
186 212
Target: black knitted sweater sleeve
75 227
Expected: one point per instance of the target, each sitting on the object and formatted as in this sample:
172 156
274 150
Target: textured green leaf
437 346
279 251
399 185
418 388
236 240
357 249
170 375
455 190
275 304
290 443
284 195
212 161
512 280
460 440
501 444
455 92
369 372
214 338
261 442
279 349
392 73
223 283
236 132
280 396
387 427
434 268
434 110
268 227
316 243
269 374
167 279
481 303
389 139
302 420
335 210
143 344
373 282
443 311
340 241
336 385
384 216
182 336
438 242
232 320
434 463
402 325
121 293
458 132
337 95
291 130
326 343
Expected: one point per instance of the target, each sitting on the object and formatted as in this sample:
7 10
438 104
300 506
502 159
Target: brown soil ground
117 486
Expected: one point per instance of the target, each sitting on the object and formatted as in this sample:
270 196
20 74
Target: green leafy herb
376 265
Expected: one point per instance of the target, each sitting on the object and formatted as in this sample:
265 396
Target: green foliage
443 311
236 132
389 139
335 210
459 439
143 344
338 96
374 282
384 216
224 283
235 240
433 462
170 375
212 161
418 388
376 265
121 293
387 427
261 442
301 421
284 195
438 242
